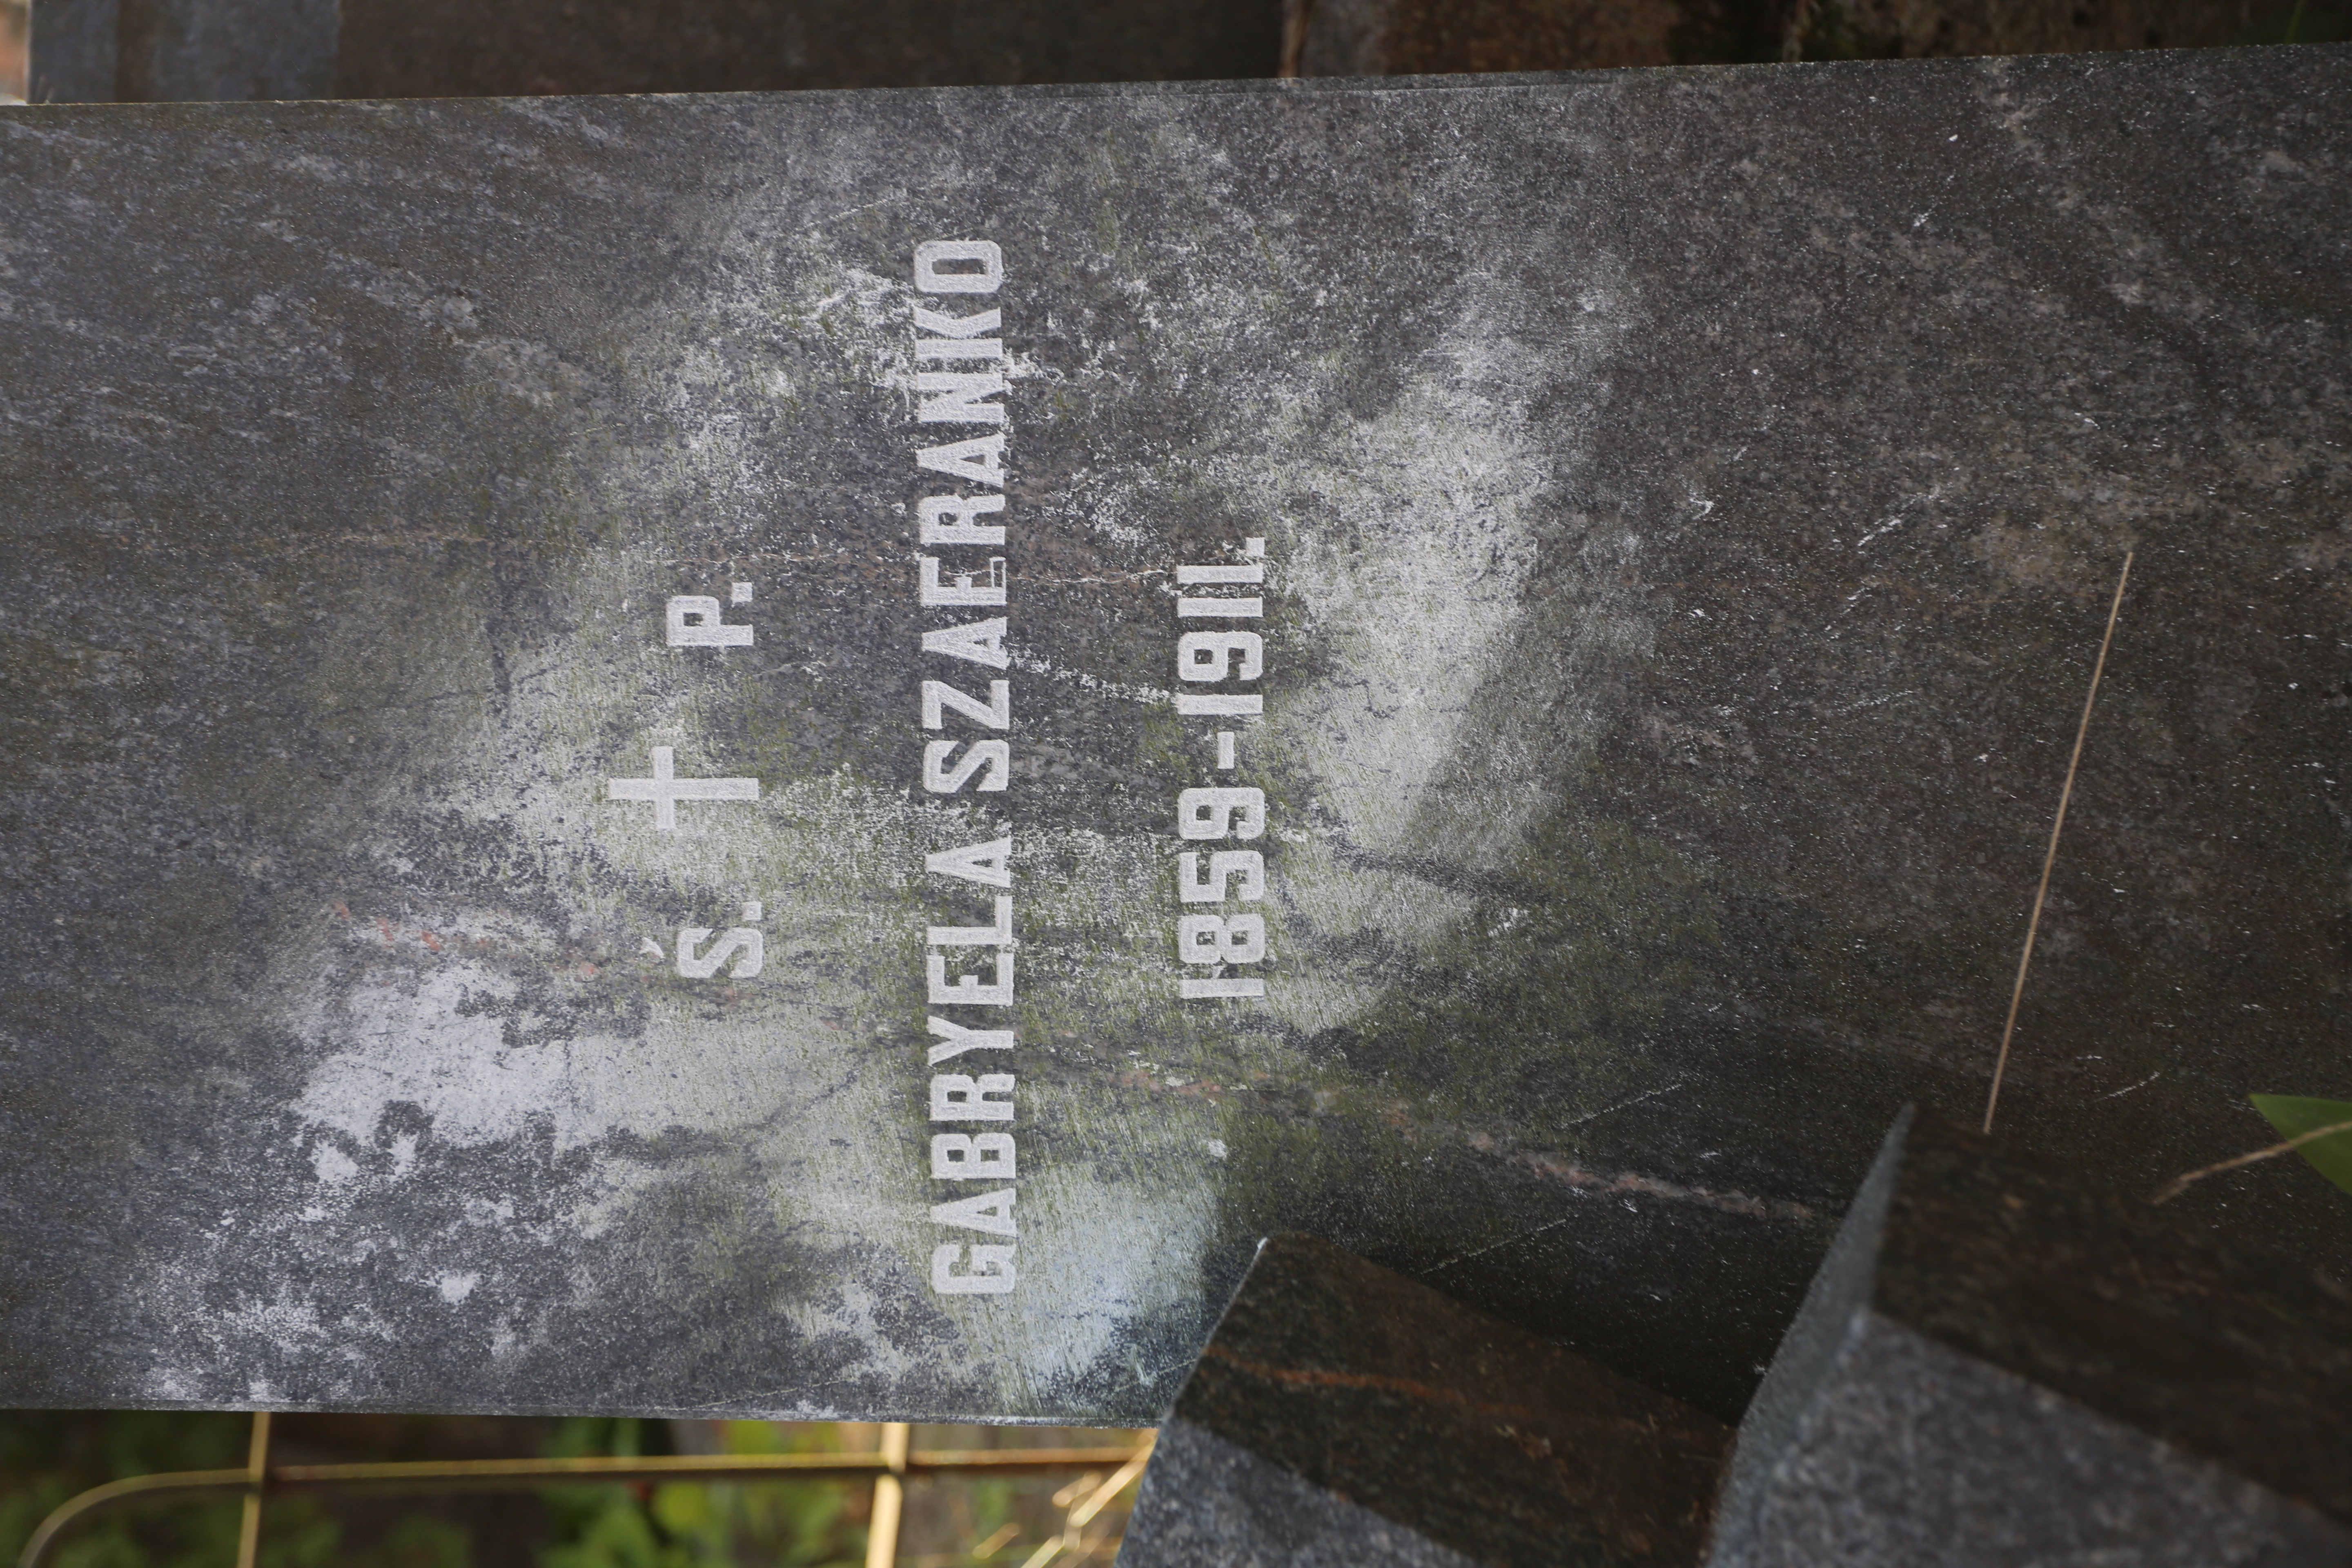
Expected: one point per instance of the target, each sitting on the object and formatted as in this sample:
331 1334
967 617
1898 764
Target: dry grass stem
2065 795
1084 1497
2178 1184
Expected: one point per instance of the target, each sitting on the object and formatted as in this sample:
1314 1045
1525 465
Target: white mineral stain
1409 569
1100 1253
409 1043
1407 561
1410 600
784 1075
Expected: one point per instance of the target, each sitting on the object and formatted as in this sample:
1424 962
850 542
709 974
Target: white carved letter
991 1271
947 519
990 1212
957 1039
982 642
997 935
1193 887
692 621
953 397
958 1096
745 939
1208 656
966 589
971 266
1217 938
981 459
996 712
988 864
995 755
968 990
971 326
1221 814
972 1157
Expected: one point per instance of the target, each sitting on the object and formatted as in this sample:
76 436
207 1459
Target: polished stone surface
1343 1413
1691 502
2000 1362
1208 1501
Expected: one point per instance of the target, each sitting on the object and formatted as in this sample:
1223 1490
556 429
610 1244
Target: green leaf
2294 1115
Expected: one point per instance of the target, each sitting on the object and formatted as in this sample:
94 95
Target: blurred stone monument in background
1396 37
152 50
161 50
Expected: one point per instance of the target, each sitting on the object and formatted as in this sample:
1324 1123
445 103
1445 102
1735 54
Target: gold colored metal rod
257 1471
485 1474
1085 1512
593 1469
1081 1513
970 1459
124 1493
890 1499
2050 860
437 1473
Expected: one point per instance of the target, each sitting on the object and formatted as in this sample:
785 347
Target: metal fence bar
1082 1509
495 1475
890 1499
257 1469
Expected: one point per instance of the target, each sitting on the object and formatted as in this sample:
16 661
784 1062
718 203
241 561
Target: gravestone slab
1537 630
1342 1415
1998 1364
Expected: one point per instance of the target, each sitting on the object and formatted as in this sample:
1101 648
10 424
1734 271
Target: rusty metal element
495 1474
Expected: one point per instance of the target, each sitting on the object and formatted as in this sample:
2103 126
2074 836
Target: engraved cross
664 789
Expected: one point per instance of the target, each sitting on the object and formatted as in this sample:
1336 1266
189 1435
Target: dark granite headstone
2000 1365
1344 1416
499 731
148 51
